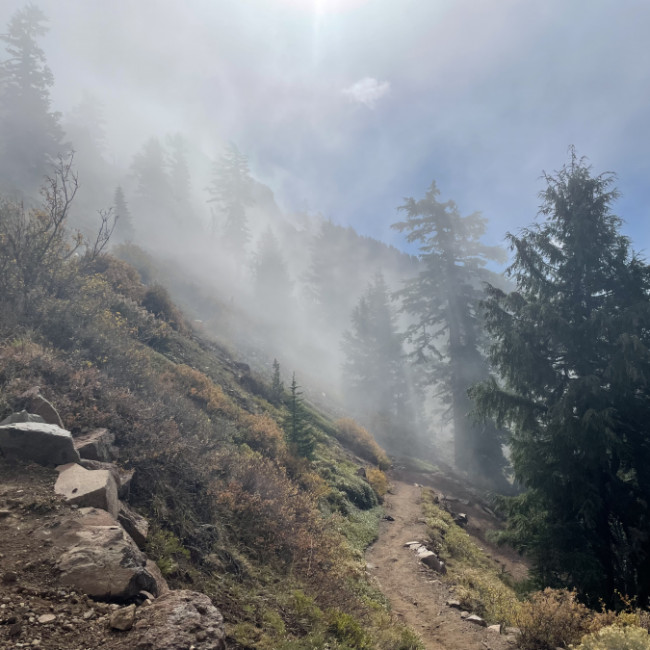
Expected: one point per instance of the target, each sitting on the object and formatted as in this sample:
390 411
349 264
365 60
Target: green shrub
347 630
358 491
616 638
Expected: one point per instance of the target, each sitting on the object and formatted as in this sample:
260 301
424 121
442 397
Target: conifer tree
572 350
299 433
30 132
123 219
277 385
231 188
374 370
271 281
446 336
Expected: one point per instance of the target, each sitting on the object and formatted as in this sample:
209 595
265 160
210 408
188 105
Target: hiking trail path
417 594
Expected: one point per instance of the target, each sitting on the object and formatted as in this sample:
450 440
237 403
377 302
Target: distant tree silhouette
374 371
271 281
231 188
124 222
447 335
30 132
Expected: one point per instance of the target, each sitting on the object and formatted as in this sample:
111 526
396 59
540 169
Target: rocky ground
417 594
36 611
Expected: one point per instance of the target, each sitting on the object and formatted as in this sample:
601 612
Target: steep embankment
417 594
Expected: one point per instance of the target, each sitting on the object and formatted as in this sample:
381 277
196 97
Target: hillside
275 540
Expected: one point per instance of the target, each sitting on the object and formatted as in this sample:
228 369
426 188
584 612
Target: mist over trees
446 335
557 367
375 372
30 132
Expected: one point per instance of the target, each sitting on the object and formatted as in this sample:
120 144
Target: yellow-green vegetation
276 541
614 637
480 584
555 618
359 440
378 481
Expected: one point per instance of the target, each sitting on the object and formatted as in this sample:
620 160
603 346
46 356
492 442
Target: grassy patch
481 585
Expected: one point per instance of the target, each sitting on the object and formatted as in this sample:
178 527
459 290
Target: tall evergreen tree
123 220
572 349
30 132
374 370
277 385
271 280
231 188
298 430
446 336
153 200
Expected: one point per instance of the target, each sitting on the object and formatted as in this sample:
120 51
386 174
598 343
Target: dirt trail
416 593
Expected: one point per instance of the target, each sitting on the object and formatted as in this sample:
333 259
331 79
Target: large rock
96 445
431 559
99 558
134 524
93 489
34 402
45 444
22 416
123 477
177 621
154 570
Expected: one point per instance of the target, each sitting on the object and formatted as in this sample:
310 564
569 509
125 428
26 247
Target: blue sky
347 106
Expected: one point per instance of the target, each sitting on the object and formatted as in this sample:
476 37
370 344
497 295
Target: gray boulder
86 488
22 416
123 477
176 621
96 445
45 444
134 524
34 402
100 559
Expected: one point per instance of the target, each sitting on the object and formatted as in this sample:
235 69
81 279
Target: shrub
166 549
347 630
157 301
360 441
357 490
378 481
550 619
201 389
615 637
261 433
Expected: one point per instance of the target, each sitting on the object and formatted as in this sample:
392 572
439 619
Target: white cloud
367 91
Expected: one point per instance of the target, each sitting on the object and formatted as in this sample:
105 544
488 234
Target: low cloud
367 91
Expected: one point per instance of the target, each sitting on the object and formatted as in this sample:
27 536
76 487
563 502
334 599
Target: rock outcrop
34 402
123 477
96 445
134 524
45 444
86 488
177 621
100 559
22 416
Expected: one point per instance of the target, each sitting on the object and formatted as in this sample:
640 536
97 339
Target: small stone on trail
388 518
47 618
453 603
477 620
